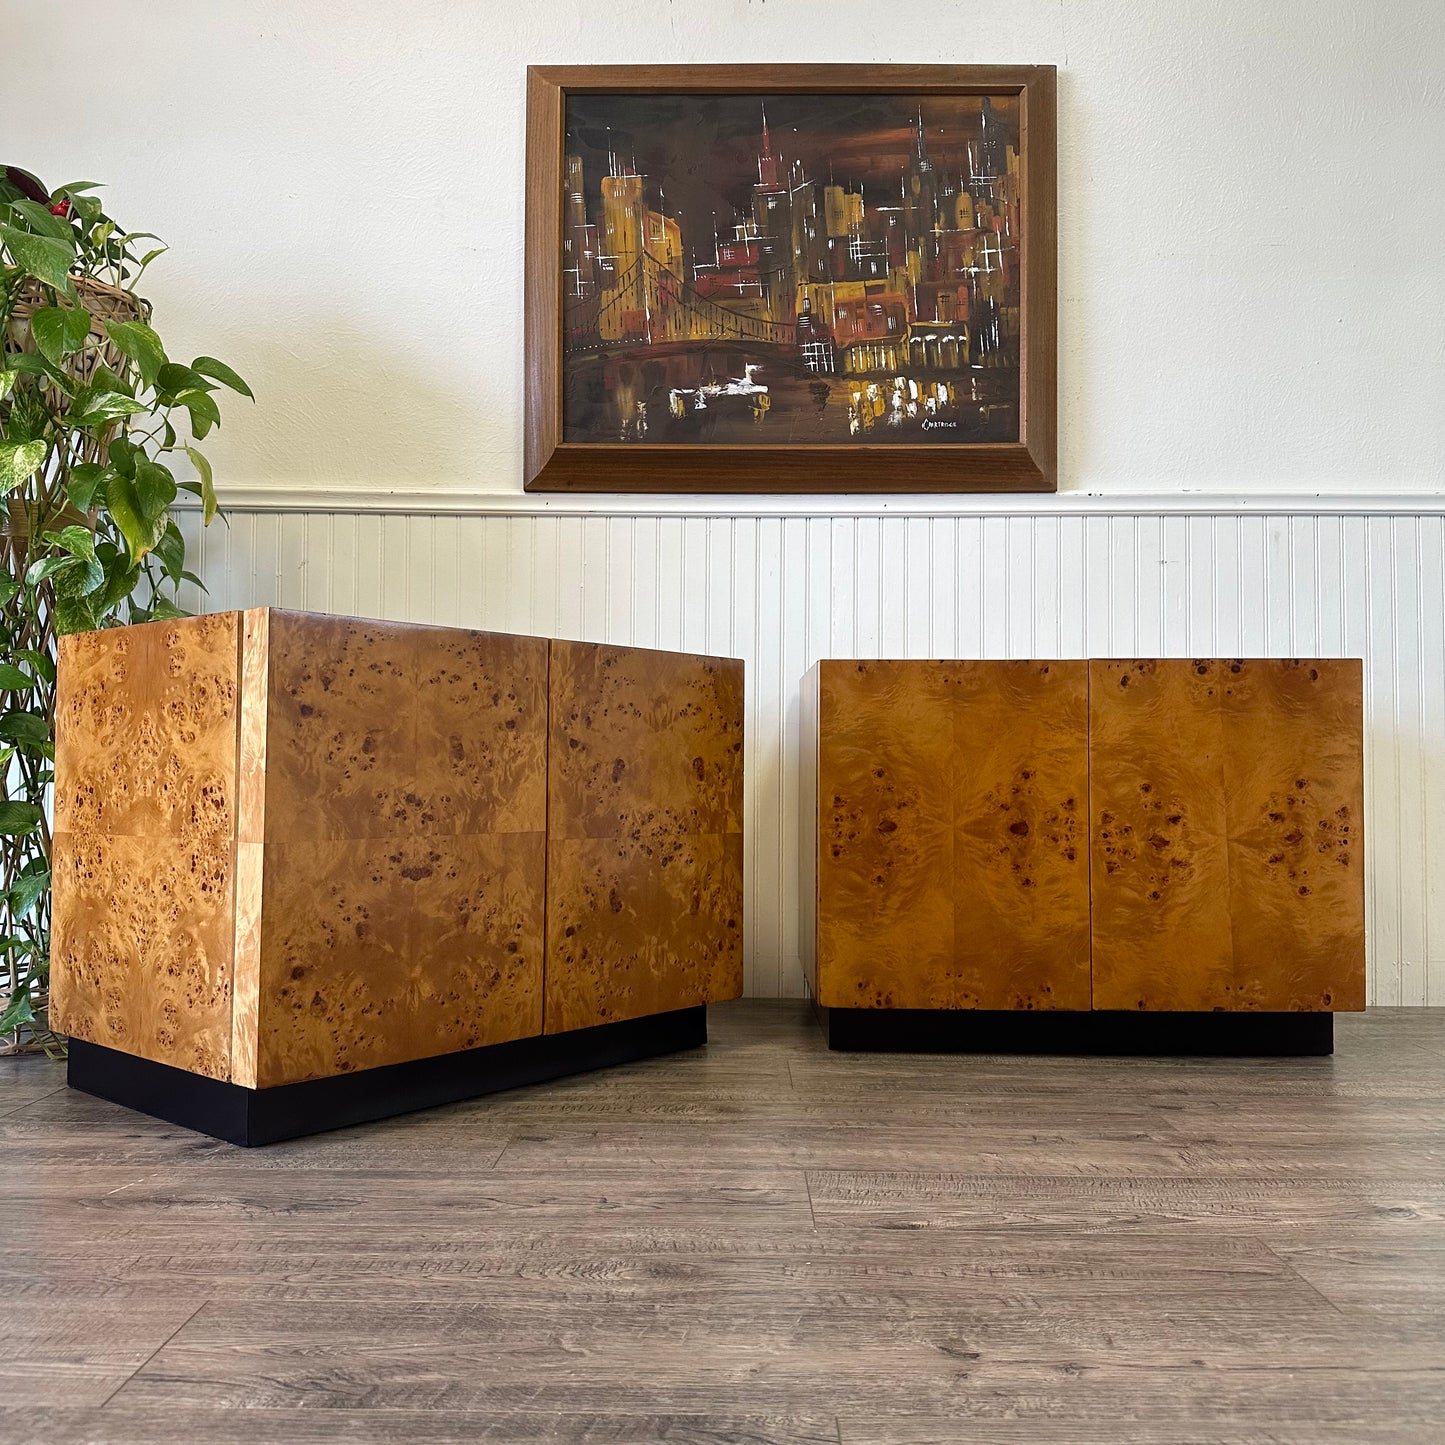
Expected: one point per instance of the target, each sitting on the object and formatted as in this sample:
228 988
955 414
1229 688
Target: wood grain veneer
952 870
291 846
1172 835
145 825
1227 856
644 828
405 816
255 671
885 836
1020 854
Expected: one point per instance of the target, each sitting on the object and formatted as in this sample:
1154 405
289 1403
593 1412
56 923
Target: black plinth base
264 1116
988 1031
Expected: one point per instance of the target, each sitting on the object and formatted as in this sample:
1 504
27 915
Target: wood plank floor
760 1241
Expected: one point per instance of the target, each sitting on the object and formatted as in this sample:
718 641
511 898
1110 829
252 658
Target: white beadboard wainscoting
782 582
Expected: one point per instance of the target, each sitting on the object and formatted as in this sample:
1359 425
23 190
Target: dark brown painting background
851 274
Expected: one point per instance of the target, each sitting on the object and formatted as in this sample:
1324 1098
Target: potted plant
92 413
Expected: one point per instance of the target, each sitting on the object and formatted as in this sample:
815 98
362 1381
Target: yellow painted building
623 305
842 211
630 229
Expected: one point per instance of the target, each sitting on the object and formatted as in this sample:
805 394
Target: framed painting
790 278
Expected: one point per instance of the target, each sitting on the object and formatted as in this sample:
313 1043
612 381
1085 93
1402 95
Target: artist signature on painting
930 424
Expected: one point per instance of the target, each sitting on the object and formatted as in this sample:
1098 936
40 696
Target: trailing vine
93 417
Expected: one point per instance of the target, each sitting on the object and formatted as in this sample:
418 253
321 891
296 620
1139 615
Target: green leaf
175 378
91 406
141 344
123 453
75 606
13 680
47 567
120 582
59 330
86 479
42 662
73 188
79 542
7 380
171 549
30 364
209 366
76 540
8 587
27 892
140 533
19 1013
204 412
43 257
28 729
195 582
43 220
18 462
164 610
17 818
155 488
104 379
47 326
208 491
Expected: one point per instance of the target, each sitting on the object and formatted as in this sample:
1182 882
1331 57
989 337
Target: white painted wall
1252 383
1251 199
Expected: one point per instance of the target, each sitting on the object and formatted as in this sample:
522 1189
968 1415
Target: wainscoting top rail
1064 504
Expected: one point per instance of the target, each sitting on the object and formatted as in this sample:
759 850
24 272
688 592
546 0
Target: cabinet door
1020 834
1226 847
644 833
952 820
885 836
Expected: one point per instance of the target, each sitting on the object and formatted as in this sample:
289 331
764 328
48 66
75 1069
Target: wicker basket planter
104 303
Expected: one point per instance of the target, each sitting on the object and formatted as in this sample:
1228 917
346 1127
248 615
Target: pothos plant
93 412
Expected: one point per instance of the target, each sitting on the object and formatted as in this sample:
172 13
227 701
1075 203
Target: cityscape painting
790 270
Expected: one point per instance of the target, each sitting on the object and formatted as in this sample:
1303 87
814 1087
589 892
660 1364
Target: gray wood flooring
757 1242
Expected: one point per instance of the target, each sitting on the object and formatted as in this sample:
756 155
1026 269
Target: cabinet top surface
836 662
399 626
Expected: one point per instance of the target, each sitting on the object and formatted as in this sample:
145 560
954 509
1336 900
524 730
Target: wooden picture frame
631 461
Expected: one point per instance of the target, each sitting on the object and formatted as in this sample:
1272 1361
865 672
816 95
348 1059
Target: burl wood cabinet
292 849
1152 843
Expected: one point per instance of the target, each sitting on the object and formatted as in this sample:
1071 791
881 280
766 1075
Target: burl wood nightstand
1144 855
312 870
